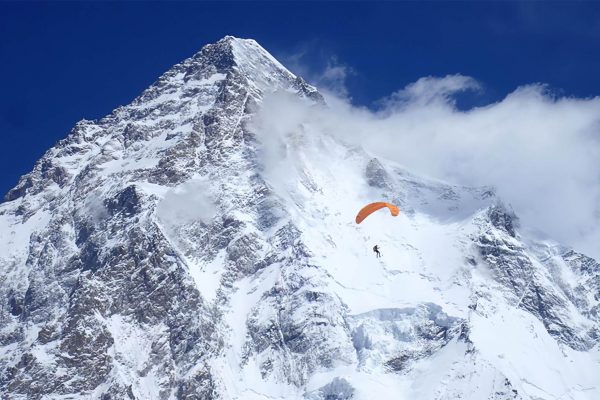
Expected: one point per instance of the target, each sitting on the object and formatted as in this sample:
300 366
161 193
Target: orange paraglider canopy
371 208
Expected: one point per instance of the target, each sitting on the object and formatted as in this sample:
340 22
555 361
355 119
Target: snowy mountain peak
232 73
174 250
244 52
241 60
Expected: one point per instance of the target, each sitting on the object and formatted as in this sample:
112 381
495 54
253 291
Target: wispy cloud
333 78
323 70
429 90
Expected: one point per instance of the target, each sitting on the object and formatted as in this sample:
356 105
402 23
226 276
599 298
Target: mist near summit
538 150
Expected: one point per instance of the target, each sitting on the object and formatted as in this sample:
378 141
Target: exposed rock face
377 176
152 255
532 285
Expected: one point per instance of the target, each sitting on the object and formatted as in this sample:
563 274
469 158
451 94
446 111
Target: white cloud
429 90
333 78
187 203
541 152
329 74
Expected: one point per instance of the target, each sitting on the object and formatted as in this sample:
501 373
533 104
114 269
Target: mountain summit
172 250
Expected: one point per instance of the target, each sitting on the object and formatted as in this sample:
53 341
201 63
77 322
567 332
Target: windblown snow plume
187 203
200 243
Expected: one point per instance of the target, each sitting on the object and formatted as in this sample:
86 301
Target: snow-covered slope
164 252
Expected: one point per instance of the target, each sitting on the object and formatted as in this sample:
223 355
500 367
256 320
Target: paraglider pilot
376 250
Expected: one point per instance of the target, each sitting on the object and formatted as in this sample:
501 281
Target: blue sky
62 62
